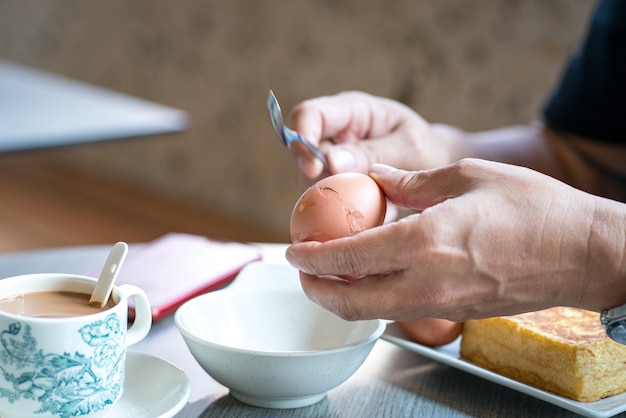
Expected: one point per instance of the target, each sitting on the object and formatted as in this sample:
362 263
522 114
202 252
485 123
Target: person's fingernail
301 161
309 166
381 170
291 260
342 159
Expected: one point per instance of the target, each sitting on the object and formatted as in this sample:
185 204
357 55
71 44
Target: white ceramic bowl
268 343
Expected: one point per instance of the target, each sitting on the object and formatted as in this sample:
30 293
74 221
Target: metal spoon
288 136
112 265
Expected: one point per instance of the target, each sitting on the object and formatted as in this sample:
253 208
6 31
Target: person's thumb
348 158
358 156
414 189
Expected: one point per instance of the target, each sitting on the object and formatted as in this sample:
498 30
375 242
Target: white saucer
154 388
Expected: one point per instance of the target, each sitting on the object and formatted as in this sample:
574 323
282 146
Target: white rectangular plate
449 354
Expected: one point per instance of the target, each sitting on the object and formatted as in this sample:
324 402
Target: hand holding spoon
287 136
112 265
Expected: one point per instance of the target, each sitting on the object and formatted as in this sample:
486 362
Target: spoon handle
114 261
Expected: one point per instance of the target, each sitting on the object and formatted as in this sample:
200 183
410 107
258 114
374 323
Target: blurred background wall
478 65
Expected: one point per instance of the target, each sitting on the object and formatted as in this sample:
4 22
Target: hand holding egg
343 205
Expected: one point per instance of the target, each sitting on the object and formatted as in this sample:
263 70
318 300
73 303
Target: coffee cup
57 360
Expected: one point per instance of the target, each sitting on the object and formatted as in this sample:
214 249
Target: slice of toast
562 350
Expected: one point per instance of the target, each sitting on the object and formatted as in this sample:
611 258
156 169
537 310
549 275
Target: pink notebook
177 267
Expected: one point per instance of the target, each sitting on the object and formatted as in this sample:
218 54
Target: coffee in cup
52 304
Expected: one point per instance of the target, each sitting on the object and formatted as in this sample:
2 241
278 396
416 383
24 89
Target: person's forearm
523 145
537 147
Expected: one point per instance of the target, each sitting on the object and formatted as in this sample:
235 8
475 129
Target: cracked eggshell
337 206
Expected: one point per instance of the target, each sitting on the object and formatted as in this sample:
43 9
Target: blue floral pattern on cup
64 384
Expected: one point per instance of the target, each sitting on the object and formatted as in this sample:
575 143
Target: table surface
392 382
42 110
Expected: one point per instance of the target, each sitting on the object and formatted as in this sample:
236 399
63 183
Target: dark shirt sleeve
591 98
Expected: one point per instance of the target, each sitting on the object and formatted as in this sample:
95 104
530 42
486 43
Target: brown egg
432 332
337 206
